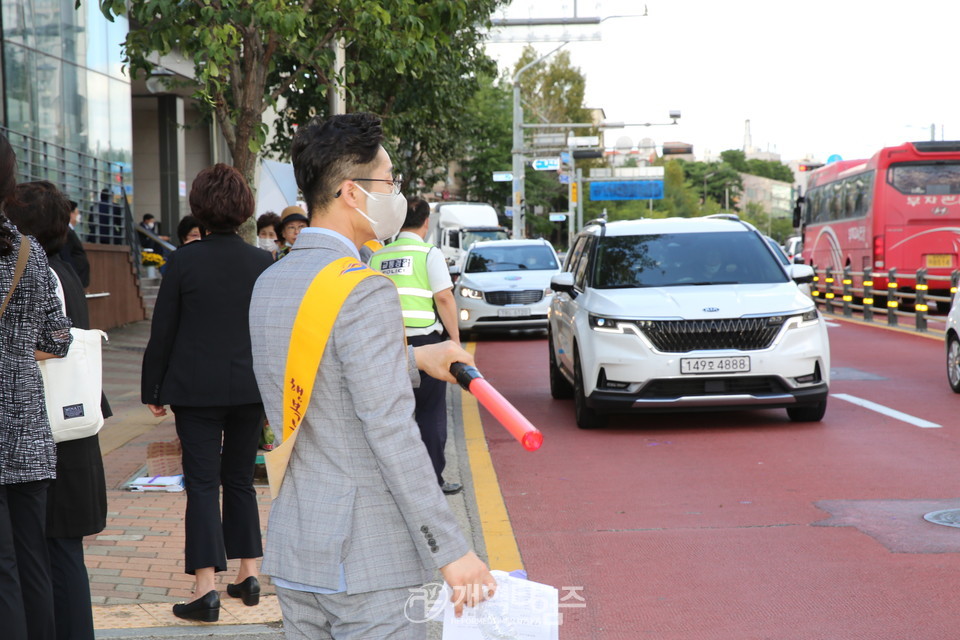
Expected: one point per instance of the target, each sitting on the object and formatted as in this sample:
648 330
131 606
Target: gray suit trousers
391 614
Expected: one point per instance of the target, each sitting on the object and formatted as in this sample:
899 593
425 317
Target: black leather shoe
248 590
452 488
204 609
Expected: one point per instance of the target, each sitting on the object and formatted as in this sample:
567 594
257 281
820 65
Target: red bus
900 208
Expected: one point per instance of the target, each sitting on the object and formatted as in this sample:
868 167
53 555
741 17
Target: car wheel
953 363
808 412
560 387
586 417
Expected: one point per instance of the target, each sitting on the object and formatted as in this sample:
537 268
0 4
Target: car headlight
605 324
805 319
467 292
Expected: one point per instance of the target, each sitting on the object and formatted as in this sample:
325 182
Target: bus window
925 179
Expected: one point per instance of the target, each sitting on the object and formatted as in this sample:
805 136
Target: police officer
426 297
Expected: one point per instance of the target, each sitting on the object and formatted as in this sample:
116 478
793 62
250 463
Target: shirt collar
334 234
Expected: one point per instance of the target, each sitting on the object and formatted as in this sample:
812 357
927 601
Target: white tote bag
72 385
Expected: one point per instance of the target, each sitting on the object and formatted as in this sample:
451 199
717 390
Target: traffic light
809 166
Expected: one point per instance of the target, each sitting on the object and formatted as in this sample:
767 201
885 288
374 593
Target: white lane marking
887 411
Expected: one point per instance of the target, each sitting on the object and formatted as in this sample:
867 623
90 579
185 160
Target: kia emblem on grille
711 309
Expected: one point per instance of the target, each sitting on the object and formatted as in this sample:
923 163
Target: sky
815 78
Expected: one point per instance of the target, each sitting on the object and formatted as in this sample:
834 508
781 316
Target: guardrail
843 292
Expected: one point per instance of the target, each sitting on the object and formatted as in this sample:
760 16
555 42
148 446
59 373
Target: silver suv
684 314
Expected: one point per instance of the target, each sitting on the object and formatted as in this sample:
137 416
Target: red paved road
744 525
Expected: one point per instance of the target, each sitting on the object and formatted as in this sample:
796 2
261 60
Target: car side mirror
563 282
801 273
454 272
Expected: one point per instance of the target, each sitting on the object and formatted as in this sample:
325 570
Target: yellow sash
373 245
312 327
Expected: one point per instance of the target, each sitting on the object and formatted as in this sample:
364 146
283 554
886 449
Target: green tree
422 103
756 167
487 121
247 54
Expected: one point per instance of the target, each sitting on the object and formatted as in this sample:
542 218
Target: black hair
8 183
418 210
41 211
187 224
325 153
148 216
73 205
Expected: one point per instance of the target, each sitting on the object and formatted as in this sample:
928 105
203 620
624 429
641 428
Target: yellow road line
502 550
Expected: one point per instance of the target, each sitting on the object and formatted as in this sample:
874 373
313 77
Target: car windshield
476 235
684 259
506 258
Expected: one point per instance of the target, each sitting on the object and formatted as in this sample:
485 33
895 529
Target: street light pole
518 160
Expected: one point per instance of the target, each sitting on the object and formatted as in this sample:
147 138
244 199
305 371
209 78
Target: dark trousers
220 449
26 597
431 411
71 589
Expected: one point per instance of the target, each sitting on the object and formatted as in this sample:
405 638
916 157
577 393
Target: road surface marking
502 550
887 411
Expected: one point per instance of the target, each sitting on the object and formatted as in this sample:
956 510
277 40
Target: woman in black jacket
77 499
199 361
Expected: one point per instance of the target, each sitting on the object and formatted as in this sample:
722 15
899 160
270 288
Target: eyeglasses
397 182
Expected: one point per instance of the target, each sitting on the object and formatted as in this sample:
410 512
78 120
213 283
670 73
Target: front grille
681 336
748 385
513 297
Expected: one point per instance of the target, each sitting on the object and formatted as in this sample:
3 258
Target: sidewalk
136 563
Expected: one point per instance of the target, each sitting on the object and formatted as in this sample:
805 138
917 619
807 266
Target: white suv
684 314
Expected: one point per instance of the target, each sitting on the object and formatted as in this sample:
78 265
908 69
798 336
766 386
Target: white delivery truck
456 226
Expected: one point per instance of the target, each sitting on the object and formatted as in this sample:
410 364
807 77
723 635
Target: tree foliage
421 102
756 167
247 54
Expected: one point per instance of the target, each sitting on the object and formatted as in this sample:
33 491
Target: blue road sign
627 190
565 157
546 164
564 178
502 176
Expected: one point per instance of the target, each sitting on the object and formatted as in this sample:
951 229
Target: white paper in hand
520 610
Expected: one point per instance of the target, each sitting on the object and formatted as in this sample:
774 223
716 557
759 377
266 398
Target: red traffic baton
512 420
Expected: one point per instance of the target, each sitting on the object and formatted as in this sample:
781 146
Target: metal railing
100 187
881 296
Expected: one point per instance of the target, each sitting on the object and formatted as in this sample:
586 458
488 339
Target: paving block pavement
136 563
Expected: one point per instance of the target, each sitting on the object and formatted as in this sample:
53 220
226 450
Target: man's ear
350 194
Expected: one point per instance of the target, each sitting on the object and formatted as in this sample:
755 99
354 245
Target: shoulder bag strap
22 256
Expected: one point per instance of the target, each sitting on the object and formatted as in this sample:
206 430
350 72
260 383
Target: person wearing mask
190 230
359 518
198 361
267 232
73 252
426 296
292 220
32 327
77 499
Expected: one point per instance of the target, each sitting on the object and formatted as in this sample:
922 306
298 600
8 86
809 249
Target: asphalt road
740 525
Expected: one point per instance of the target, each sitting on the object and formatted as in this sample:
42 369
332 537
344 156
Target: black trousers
71 589
26 597
220 449
431 411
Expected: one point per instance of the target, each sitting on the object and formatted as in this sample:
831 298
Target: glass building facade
67 102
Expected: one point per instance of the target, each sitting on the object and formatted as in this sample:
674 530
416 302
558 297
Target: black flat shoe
203 609
248 590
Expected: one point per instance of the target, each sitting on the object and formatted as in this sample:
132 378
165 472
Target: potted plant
152 261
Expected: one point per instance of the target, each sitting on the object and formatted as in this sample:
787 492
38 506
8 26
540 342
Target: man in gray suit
359 519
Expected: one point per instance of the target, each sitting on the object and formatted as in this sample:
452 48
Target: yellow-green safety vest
405 262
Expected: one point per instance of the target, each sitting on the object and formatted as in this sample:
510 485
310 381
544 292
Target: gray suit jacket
360 489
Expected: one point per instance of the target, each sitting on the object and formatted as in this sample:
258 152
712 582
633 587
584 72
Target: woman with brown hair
32 327
77 499
199 361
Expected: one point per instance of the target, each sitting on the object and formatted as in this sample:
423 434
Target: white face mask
267 244
385 212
